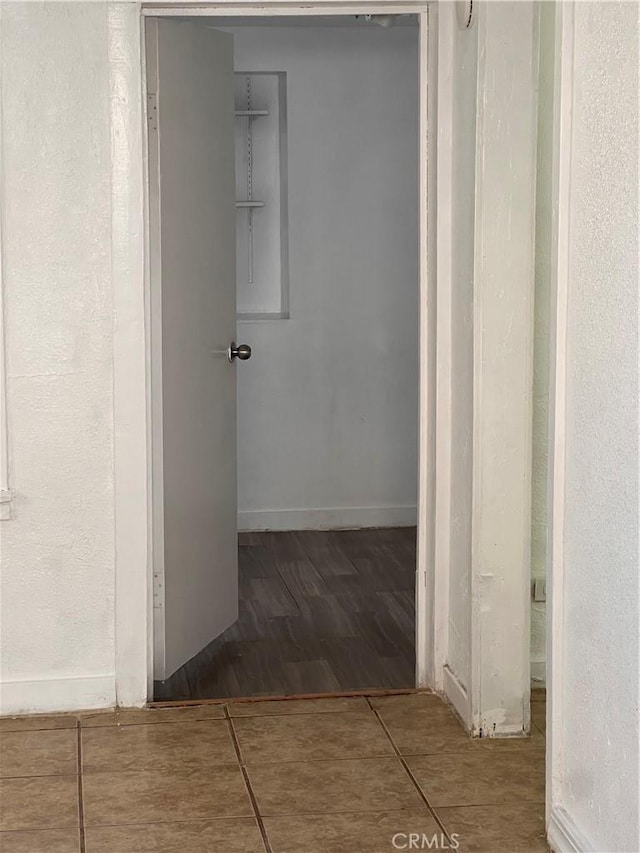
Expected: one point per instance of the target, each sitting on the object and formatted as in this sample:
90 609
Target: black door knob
241 351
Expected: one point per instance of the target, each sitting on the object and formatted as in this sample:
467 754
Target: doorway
327 296
510 100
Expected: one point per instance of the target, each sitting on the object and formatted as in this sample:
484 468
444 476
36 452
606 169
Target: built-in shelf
260 143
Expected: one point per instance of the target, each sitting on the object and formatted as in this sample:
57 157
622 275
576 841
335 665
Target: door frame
134 476
563 834
133 480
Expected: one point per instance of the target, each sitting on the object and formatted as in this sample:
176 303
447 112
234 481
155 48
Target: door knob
241 351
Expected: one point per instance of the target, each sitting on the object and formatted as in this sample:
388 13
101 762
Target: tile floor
333 775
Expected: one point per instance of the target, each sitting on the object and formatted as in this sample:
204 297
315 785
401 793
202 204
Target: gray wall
327 406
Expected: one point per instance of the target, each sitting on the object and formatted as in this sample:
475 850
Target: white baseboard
457 695
57 694
565 837
538 673
334 518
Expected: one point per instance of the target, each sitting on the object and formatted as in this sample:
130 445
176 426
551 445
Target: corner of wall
564 836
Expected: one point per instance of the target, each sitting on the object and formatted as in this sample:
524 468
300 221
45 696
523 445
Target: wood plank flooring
320 611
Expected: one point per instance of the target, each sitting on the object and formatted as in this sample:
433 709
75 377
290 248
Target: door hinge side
152 111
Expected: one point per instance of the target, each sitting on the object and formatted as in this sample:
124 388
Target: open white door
193 307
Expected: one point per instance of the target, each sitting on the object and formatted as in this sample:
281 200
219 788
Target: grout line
80 792
402 760
330 694
379 757
145 725
43 728
375 811
254 804
234 737
247 782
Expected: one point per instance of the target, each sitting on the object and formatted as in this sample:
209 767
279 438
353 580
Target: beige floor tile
189 746
41 841
481 777
297 706
367 832
373 784
152 797
512 828
52 752
539 694
539 716
37 722
413 701
44 802
421 724
206 836
308 737
147 716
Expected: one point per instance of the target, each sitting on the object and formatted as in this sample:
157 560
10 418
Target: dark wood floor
320 611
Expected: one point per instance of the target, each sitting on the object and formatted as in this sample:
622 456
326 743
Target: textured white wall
598 782
327 406
57 586
540 450
58 552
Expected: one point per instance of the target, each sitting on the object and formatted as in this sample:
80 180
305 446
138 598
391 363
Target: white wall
57 594
464 88
463 161
595 760
70 273
487 133
542 343
327 406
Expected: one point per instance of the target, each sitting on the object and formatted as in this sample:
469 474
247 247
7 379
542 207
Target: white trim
444 343
6 493
503 368
561 199
154 354
130 381
565 837
271 9
457 695
328 518
425 603
57 694
155 525
424 594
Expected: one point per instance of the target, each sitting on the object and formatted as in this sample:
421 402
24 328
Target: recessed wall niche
261 196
